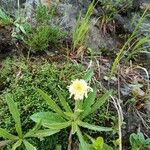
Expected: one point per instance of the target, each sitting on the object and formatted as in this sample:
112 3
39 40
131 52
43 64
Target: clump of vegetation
42 37
85 104
44 14
139 142
82 27
18 74
21 138
110 9
4 18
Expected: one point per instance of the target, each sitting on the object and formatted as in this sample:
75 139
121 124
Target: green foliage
44 14
82 27
99 144
74 119
21 138
125 47
111 6
110 9
42 37
4 18
138 142
20 78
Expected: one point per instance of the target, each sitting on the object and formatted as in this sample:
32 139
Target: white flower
79 89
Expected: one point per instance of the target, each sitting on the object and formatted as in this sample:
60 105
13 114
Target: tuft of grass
43 14
4 18
125 47
82 27
43 37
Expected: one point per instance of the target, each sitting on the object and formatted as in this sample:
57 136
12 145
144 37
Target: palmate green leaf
7 135
47 117
93 127
88 75
51 103
15 114
16 145
57 126
28 145
44 133
64 102
84 145
89 101
98 103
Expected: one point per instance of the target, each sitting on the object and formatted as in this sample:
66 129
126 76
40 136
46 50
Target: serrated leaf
44 133
57 126
6 135
81 139
98 103
16 145
15 114
51 103
63 102
47 117
88 75
28 145
89 101
93 127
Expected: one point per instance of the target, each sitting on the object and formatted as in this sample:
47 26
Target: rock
68 18
8 5
96 40
125 90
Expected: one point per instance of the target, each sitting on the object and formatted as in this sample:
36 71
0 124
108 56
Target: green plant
66 117
126 46
110 9
42 37
21 138
44 14
20 77
138 142
4 18
97 144
82 27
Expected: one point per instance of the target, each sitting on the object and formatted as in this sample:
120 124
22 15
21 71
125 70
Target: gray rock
96 40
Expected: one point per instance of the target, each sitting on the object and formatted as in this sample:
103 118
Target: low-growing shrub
42 37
